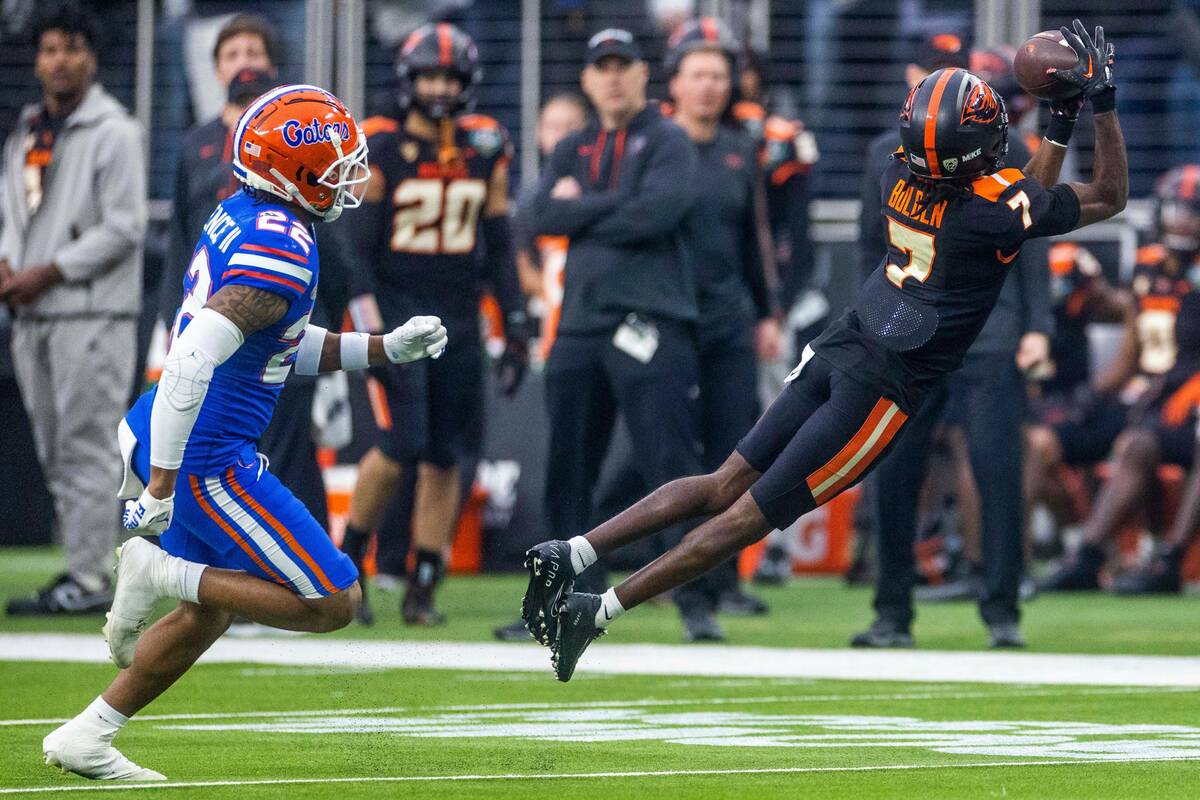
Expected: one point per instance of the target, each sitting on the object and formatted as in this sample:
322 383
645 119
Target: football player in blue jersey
234 540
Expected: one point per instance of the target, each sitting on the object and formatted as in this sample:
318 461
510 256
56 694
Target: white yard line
645 659
117 787
636 703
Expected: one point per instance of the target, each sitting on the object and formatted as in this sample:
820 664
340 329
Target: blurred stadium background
839 67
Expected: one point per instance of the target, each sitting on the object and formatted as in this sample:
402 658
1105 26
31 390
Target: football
1043 51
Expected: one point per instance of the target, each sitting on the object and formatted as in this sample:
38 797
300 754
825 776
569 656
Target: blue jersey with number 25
246 242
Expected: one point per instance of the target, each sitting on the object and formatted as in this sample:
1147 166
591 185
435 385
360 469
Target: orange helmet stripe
445 44
709 26
931 123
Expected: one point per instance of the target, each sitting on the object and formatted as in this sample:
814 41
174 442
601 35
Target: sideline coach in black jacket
619 189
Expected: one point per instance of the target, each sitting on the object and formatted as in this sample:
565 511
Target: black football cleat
63 595
1079 573
551 577
417 607
576 629
1161 576
1005 636
739 603
700 625
883 632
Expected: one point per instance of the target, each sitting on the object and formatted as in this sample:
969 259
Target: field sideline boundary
919 666
140 786
634 703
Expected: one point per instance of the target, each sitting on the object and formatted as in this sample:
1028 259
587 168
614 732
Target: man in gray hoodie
73 198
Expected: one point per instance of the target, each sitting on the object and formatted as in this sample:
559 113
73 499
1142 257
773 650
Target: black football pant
288 444
728 408
588 381
987 397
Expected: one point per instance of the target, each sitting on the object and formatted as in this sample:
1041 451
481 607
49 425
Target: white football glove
415 339
148 514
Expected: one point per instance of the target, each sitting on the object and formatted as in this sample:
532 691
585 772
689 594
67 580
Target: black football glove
1092 75
514 361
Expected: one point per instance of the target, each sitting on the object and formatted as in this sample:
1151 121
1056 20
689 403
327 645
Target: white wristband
308 356
354 350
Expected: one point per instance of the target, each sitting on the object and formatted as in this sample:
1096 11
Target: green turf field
358 732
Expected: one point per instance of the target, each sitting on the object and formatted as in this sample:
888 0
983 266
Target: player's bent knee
336 611
730 482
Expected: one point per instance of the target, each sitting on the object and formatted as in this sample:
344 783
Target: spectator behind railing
74 205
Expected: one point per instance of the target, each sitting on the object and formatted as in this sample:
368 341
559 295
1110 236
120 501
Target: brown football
1043 51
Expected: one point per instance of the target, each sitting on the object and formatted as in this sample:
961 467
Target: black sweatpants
588 380
987 397
728 409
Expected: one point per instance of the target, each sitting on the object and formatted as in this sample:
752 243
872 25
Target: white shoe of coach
74 747
141 572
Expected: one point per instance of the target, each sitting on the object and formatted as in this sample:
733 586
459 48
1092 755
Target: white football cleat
74 748
141 566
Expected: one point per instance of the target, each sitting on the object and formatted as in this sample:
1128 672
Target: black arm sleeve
662 199
501 271
1033 272
871 247
179 250
796 192
359 239
758 258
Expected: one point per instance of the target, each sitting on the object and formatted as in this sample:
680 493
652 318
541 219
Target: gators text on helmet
953 127
300 143
701 33
434 47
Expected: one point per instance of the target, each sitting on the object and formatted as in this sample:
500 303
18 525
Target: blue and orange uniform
230 511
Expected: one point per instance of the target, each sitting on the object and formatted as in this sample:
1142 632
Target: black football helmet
953 127
433 47
1177 211
701 33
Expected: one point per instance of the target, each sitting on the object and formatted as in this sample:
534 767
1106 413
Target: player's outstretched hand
1092 75
148 514
418 338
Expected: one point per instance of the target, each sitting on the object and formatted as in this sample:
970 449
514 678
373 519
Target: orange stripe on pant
283 532
208 509
881 426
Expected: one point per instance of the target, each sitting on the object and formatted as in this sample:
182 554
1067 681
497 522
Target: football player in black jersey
1144 410
438 192
954 222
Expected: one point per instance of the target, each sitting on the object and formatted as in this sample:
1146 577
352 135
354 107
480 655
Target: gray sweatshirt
92 216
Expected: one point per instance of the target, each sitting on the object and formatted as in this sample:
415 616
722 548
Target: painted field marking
139 786
921 666
645 702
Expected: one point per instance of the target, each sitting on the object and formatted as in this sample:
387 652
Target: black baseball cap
248 84
939 49
613 42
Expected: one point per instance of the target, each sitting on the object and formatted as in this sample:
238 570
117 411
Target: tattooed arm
248 308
